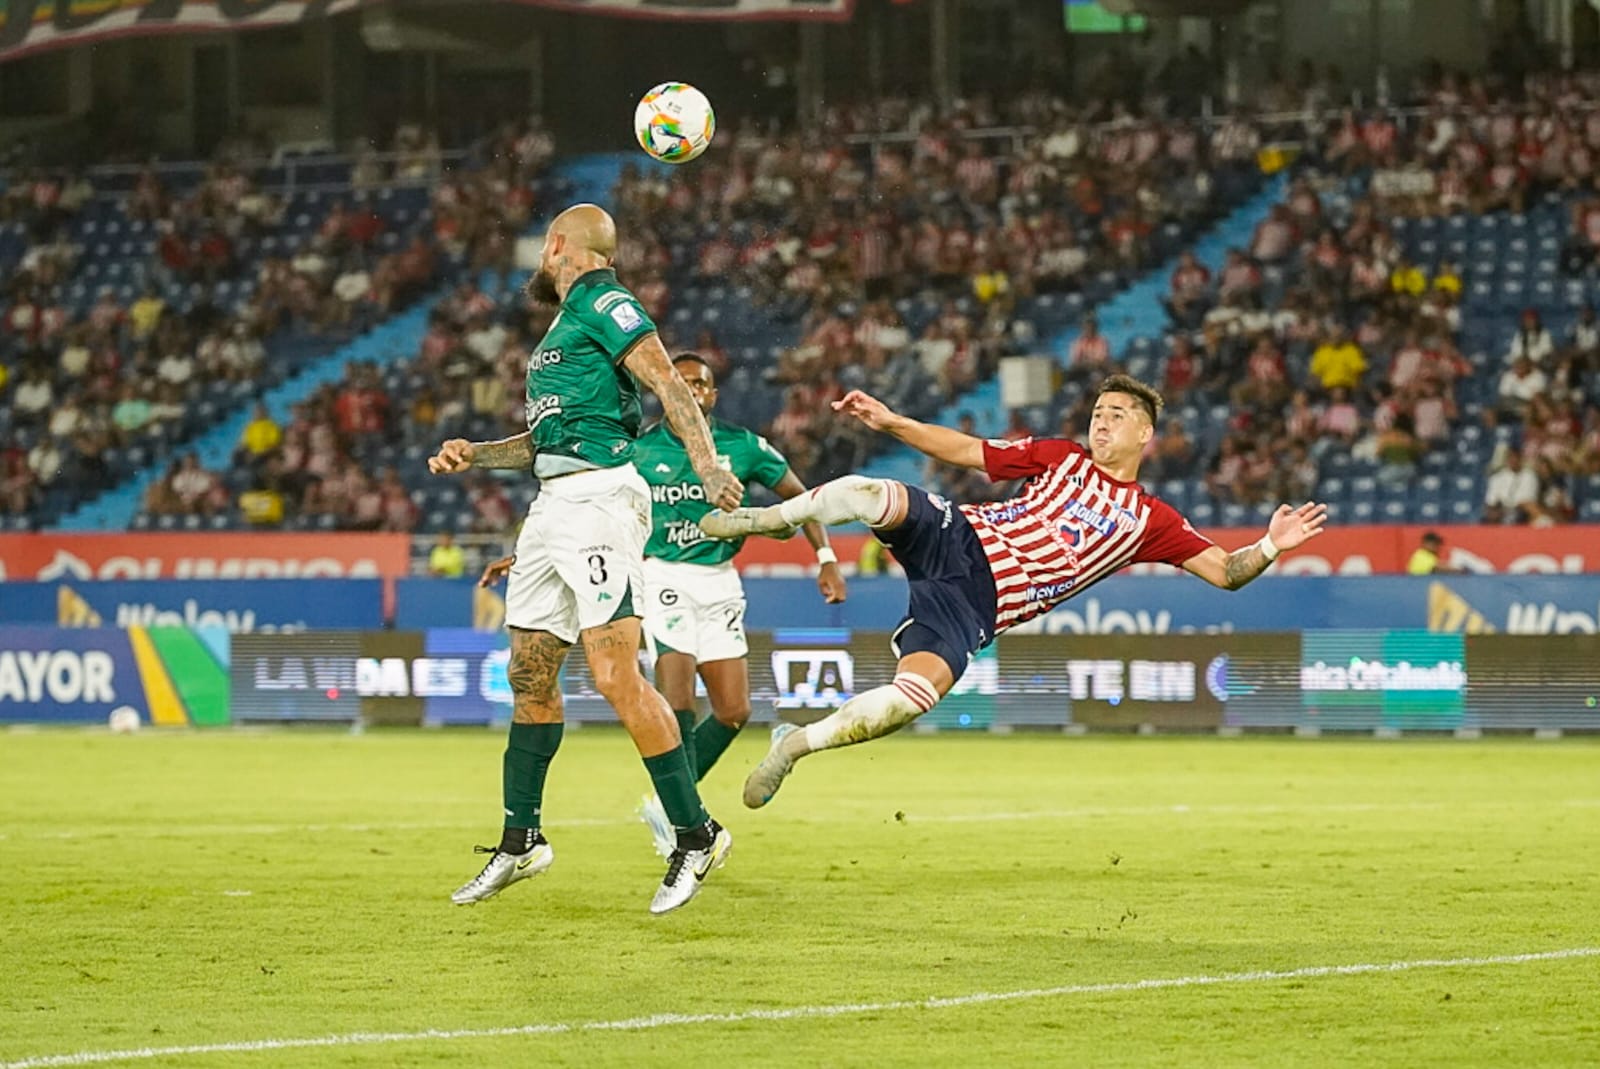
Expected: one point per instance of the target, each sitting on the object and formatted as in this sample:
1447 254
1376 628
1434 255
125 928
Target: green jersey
582 404
677 499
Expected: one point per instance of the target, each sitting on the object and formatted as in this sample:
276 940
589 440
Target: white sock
872 714
844 500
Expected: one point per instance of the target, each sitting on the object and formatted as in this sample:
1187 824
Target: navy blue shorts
952 589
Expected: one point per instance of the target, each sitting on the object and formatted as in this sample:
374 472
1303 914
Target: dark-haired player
978 570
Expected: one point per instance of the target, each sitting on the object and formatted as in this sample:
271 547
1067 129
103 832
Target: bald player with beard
578 573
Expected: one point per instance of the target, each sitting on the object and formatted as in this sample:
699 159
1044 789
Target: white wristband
1268 548
826 555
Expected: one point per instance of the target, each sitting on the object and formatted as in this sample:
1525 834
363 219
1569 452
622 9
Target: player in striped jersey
977 570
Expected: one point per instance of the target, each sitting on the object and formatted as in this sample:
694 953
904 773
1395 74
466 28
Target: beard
542 287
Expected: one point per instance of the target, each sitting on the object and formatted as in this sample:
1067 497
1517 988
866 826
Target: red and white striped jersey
1070 527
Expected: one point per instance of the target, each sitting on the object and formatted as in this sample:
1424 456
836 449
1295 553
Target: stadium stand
948 293
145 304
1358 340
1379 339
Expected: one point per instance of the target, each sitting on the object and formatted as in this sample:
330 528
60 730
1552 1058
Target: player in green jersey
580 556
694 603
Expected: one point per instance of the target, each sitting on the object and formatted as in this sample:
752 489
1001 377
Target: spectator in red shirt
1090 354
361 408
362 226
1188 290
1183 367
491 507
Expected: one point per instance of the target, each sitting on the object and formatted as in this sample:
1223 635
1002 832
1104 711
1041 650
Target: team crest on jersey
1011 510
626 317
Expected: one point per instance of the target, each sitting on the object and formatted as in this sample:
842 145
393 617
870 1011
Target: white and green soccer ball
674 122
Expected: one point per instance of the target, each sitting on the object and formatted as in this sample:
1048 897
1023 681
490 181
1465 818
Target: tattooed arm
456 455
648 362
1289 529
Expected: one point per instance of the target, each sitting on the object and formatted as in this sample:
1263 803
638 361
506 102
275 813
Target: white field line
790 1013
217 828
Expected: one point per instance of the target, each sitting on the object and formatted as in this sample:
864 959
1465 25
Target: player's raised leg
878 503
535 735
921 680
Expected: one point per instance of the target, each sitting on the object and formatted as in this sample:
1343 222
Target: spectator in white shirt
241 353
1531 340
67 419
34 396
1585 337
1511 491
1519 386
44 459
176 368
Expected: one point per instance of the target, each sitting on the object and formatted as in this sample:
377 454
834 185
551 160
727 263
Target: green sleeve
616 320
767 466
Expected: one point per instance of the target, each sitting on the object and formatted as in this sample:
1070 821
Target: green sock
686 729
675 787
527 761
711 738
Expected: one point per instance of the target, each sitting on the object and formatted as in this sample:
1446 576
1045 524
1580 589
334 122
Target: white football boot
747 521
765 779
688 867
503 870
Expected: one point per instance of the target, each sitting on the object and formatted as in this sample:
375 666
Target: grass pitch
179 891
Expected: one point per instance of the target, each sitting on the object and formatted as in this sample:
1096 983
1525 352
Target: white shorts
580 557
696 609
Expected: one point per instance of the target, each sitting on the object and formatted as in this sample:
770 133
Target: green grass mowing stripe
201 682
791 1013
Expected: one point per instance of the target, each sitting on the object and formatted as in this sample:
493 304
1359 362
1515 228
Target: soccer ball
124 720
674 122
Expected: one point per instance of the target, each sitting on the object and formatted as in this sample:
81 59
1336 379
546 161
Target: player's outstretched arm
940 443
649 363
457 455
1289 529
497 570
830 580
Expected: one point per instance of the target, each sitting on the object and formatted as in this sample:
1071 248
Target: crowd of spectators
1325 340
971 213
902 251
319 467
82 383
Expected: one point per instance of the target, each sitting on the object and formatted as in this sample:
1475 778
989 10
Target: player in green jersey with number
694 603
580 556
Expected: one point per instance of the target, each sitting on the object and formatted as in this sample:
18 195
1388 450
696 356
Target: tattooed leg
534 674
534 737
